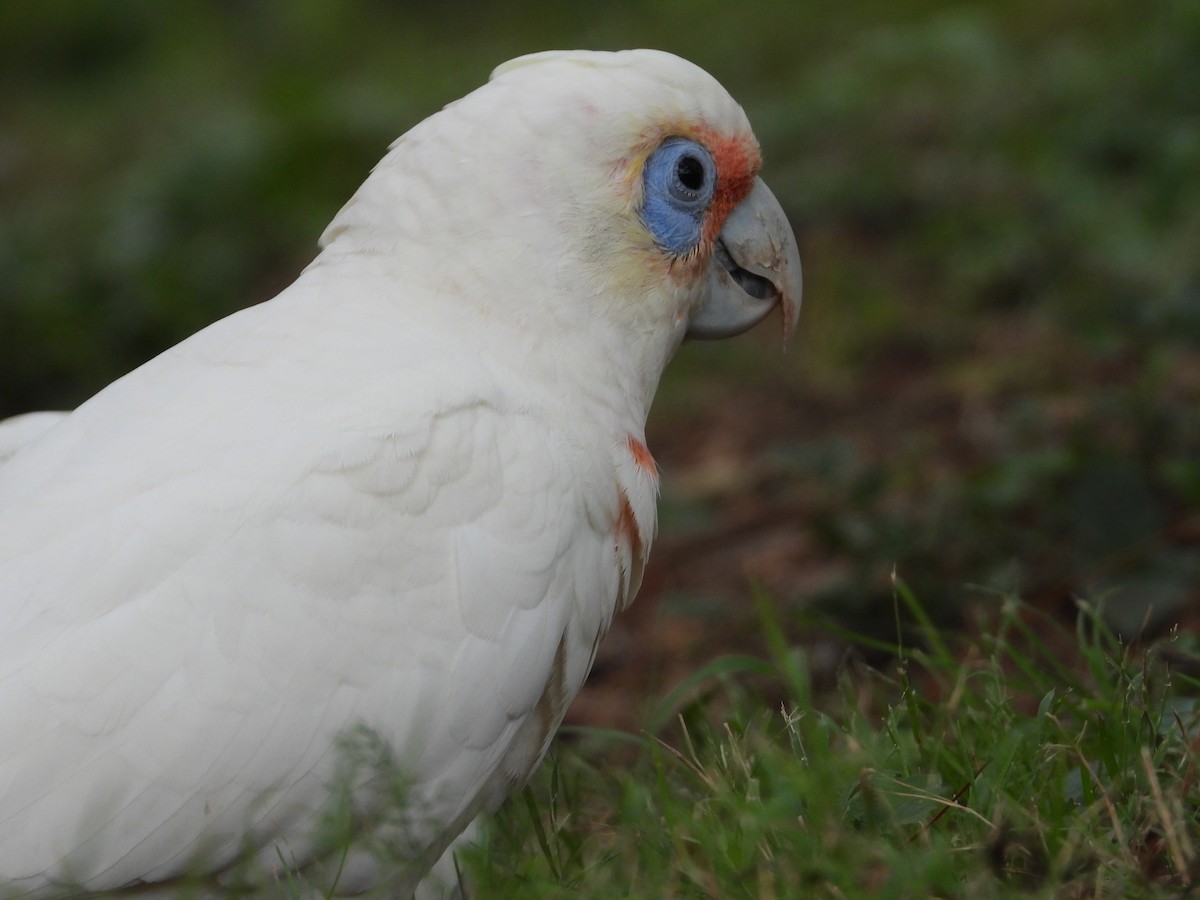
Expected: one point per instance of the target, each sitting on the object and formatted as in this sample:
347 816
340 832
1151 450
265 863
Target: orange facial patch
738 160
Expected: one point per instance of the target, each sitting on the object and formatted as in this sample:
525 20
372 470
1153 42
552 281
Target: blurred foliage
998 206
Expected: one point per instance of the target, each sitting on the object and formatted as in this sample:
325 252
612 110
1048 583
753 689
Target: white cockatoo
403 499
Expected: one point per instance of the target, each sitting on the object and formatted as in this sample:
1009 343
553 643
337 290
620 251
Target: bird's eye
685 169
679 180
690 172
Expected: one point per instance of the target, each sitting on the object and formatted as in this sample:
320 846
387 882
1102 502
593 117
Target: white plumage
18 431
406 495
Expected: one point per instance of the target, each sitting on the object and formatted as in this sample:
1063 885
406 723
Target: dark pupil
690 172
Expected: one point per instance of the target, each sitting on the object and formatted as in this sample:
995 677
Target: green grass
1029 760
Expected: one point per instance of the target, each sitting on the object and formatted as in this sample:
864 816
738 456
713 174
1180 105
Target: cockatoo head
617 192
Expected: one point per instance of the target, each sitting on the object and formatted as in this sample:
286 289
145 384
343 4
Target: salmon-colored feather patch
628 532
627 526
641 457
738 160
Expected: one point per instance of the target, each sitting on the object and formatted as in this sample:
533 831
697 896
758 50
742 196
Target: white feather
19 431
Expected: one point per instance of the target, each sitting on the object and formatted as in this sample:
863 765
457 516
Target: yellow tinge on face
745 262
645 261
742 265
737 160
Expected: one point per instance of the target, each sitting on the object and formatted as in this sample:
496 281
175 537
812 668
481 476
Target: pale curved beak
756 266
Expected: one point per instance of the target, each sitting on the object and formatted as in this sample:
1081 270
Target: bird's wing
196 607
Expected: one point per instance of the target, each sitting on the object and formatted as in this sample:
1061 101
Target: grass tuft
1030 759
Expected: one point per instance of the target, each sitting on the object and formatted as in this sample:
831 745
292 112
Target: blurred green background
996 384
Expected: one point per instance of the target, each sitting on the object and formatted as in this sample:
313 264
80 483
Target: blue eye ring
679 180
686 170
